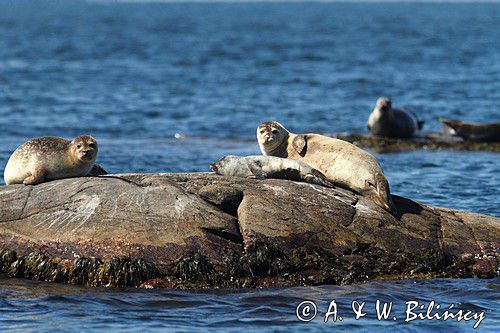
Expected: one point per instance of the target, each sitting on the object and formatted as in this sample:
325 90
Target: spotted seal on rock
341 162
50 158
488 132
390 122
262 167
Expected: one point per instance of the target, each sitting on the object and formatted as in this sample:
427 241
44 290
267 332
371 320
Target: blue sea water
173 86
27 306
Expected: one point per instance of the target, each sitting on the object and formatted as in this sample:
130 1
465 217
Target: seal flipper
257 171
382 193
37 177
97 170
318 181
318 178
299 144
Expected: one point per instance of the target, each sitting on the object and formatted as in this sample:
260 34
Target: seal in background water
341 162
488 132
262 167
395 123
49 158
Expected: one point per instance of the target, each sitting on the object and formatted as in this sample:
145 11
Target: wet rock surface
203 230
427 141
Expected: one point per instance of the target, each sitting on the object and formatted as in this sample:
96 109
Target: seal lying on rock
49 158
341 162
262 167
489 132
395 123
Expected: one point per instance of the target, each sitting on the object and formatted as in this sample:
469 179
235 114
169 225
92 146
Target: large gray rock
204 230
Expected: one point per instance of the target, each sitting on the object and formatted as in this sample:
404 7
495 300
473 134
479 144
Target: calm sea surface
172 87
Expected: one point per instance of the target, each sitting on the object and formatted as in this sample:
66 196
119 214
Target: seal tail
420 124
383 196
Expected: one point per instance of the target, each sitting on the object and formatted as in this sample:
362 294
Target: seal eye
262 131
274 131
92 145
79 146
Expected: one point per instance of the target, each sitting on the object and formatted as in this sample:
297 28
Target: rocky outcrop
428 141
204 230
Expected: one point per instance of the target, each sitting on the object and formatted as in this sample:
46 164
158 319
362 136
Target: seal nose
87 153
213 167
268 138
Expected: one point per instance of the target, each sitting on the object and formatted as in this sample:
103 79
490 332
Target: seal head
384 104
84 148
223 163
231 165
271 135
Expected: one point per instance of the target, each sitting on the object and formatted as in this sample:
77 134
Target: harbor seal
390 122
50 158
262 167
488 132
343 164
